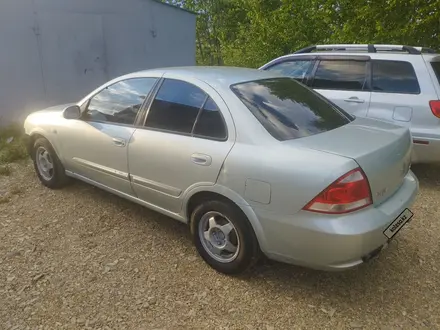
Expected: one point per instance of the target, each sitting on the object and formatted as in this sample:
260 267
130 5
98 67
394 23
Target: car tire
47 165
215 239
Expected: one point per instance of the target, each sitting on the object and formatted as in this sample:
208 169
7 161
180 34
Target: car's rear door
187 134
95 146
344 80
397 94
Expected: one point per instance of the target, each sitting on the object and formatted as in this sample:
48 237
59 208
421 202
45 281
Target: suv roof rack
370 48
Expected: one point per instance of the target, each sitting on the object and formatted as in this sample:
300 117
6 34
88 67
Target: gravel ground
80 258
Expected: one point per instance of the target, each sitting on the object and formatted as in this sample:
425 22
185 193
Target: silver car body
269 180
410 110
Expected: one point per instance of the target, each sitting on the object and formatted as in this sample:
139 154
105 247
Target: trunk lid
381 149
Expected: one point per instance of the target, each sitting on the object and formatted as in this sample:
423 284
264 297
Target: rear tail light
435 108
349 193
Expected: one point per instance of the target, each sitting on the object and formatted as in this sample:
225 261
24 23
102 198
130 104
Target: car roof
374 56
345 53
213 75
369 51
360 53
367 48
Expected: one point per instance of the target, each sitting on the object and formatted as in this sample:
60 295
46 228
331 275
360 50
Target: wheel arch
40 133
31 138
201 194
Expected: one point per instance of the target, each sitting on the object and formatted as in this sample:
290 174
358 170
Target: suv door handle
119 142
201 159
354 99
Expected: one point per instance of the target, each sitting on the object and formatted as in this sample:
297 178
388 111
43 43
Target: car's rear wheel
224 237
49 169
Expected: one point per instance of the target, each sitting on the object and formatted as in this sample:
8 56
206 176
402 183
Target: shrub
5 170
12 144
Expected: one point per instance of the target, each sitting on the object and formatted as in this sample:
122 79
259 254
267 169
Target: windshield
289 110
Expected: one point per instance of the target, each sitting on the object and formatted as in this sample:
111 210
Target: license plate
397 224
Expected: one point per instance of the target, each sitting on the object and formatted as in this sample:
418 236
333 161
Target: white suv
394 83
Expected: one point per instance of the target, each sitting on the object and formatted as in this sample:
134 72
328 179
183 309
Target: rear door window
346 75
180 107
289 110
297 69
210 122
175 107
394 77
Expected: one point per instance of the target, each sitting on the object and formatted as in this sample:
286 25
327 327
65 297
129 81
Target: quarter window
343 75
394 77
295 69
120 102
175 107
436 68
210 122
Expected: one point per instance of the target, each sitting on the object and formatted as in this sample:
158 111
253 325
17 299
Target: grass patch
14 130
15 190
12 144
5 170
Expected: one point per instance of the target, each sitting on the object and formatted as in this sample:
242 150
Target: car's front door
187 135
95 146
345 82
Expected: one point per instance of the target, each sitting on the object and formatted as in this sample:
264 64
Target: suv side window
175 107
119 103
394 77
436 68
341 74
296 69
210 122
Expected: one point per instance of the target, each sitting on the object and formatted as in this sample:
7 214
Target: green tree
252 32
217 25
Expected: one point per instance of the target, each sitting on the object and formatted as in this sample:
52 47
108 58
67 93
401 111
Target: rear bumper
425 151
426 146
334 242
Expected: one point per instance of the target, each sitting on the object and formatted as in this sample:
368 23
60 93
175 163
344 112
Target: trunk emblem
382 192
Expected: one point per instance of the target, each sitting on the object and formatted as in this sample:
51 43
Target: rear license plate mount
395 226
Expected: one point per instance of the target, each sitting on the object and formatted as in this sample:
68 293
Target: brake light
435 108
349 193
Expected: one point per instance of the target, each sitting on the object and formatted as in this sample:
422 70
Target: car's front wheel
47 165
224 237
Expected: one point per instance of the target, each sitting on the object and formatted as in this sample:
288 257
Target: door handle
119 142
354 99
201 159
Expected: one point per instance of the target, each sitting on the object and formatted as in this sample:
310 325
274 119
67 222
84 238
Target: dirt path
80 258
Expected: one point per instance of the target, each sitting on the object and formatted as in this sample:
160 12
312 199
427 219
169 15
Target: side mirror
72 112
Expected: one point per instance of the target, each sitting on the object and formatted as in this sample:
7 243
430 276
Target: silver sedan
255 163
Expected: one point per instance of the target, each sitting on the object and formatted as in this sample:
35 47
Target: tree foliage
252 32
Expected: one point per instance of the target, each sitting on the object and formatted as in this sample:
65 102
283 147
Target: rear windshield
436 67
289 110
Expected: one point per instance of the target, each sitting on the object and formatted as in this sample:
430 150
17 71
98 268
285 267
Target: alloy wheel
219 237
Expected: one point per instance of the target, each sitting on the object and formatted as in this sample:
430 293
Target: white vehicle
399 84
